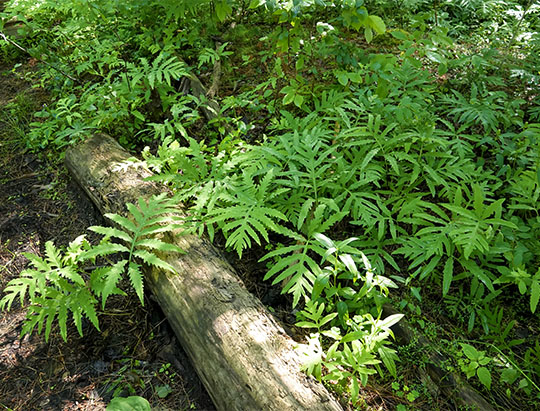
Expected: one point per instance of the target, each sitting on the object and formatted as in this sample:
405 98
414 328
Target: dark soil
136 352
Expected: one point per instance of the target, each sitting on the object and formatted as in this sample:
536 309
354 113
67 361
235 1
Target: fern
484 110
54 287
148 219
245 216
59 283
295 264
295 267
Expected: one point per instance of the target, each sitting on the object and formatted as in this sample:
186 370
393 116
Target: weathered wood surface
242 355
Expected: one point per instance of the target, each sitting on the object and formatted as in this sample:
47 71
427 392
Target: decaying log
242 355
451 385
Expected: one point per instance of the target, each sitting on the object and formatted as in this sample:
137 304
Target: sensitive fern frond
148 218
163 69
247 217
294 266
58 284
53 286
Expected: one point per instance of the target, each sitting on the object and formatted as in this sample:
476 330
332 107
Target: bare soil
135 354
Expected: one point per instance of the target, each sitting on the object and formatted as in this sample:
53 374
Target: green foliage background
368 146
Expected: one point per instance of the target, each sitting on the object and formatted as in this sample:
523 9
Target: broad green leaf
390 321
327 319
435 57
343 311
509 375
398 34
324 240
349 263
163 391
342 78
484 376
388 357
223 9
355 390
469 351
298 100
133 403
306 324
368 34
377 24
442 69
288 98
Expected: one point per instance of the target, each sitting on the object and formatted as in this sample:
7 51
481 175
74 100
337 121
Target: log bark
242 355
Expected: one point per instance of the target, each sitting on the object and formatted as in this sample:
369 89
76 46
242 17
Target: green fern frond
247 218
243 223
157 215
57 285
296 267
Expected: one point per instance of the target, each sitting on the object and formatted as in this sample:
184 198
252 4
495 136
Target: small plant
340 308
404 391
474 364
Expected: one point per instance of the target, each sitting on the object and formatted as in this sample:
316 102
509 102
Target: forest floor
135 354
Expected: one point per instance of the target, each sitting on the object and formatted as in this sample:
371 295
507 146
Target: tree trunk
244 358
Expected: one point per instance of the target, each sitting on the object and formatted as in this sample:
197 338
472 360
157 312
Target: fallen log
451 385
242 355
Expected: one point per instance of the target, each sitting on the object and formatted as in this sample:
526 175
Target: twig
24 176
2 35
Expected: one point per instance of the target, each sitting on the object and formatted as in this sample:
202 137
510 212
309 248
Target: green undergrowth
377 157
